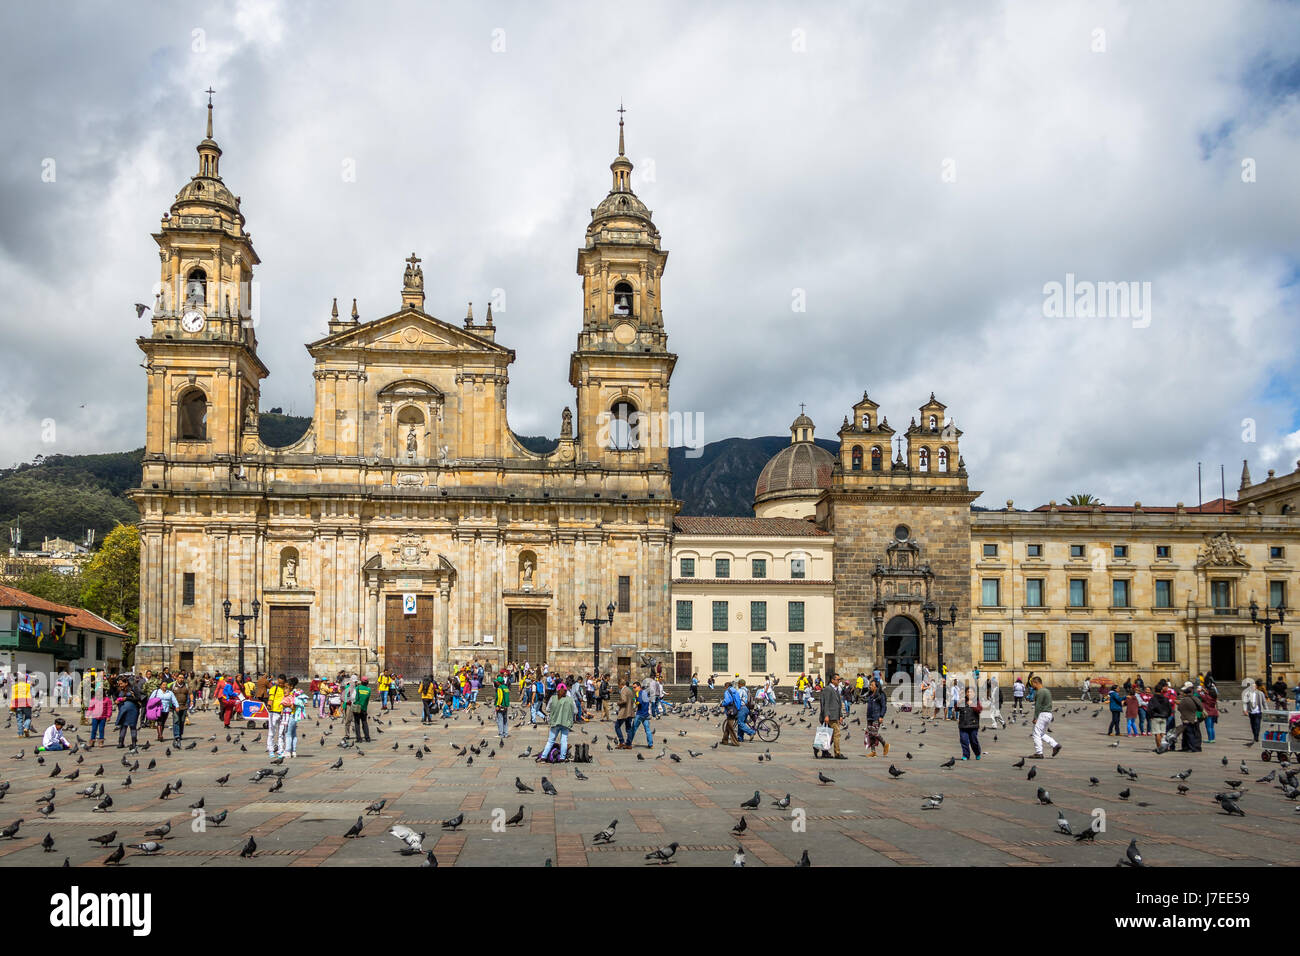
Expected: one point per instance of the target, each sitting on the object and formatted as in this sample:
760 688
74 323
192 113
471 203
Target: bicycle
767 729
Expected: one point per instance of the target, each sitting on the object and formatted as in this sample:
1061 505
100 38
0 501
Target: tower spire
621 111
209 151
621 167
209 91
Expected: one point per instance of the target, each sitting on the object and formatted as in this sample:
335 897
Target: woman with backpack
563 714
1209 699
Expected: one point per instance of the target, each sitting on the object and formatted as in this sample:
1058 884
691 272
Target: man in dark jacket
1188 729
968 726
877 707
831 711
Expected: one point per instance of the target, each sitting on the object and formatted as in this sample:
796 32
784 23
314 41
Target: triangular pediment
407 330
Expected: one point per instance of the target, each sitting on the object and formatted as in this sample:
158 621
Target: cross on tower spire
209 91
621 111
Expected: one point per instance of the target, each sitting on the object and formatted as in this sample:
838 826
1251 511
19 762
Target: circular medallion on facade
411 335
625 333
902 532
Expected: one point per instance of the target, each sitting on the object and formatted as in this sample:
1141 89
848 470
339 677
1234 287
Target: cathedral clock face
193 320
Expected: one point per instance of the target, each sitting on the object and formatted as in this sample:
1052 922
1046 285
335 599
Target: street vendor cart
1279 732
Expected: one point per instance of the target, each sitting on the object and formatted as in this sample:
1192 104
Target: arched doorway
902 645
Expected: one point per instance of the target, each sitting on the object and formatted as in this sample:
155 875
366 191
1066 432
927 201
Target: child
1131 712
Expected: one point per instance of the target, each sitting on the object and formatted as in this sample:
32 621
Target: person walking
877 707
128 711
99 709
1209 700
228 697
642 719
428 691
21 702
832 710
968 726
181 712
275 728
731 715
623 715
1042 719
360 704
562 713
1131 709
742 715
695 688
296 703
1252 705
1116 708
1188 731
1018 696
503 708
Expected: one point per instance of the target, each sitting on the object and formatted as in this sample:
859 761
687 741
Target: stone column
372 619
444 617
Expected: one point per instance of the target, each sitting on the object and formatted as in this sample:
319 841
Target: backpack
153 709
554 755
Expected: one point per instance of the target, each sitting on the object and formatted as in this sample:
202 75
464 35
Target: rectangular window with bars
1033 592
1035 646
758 657
1164 648
992 646
719 615
758 615
624 594
720 658
1079 648
187 589
1123 648
795 616
796 658
722 567
685 615
1164 593
758 567
688 567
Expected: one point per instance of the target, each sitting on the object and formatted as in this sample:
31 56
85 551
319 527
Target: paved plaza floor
990 815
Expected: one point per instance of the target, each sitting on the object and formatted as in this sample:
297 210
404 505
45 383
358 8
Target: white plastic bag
822 740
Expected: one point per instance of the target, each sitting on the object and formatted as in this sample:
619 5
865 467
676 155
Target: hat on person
561 686
1187 685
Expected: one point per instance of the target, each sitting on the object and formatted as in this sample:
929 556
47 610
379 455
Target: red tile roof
746 527
1217 506
76 618
12 597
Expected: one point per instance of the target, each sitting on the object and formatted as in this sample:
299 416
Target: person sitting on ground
54 739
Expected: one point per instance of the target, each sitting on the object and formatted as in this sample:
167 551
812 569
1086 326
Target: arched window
924 458
196 287
943 459
866 421
857 457
192 416
623 298
875 457
624 419
934 424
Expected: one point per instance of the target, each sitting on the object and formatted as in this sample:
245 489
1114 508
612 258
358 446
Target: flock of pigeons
1285 778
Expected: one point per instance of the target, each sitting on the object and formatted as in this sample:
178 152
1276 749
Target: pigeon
454 823
1268 778
279 782
931 803
115 857
430 859
355 829
160 831
664 854
740 827
46 810
375 807
522 787
1245 771
223 780
1182 789
751 803
10 831
1184 775
1234 784
1093 782
1225 761
1090 835
58 770
152 763
249 850
1062 824
950 762
103 804
823 779
895 772
167 791
337 765
48 843
1033 772
1044 797
1132 856
219 818
1231 807
548 787
1126 793
104 839
77 773
517 819
408 836
803 860
783 803
606 835
46 797
148 848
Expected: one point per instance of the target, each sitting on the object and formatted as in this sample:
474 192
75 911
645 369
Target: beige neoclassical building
408 527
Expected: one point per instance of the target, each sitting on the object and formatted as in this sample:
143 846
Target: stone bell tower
622 365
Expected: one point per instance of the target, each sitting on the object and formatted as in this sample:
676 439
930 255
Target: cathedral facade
409 527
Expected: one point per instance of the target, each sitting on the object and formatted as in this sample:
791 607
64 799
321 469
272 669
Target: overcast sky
916 172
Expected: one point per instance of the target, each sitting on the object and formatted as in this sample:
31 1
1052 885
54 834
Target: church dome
799 467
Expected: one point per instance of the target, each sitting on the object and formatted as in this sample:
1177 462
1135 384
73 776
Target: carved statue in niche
289 574
526 575
566 424
412 443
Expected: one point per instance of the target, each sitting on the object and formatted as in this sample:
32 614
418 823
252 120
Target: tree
112 579
50 585
1084 500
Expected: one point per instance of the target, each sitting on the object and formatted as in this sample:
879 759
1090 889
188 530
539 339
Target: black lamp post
597 623
241 617
934 619
1268 621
